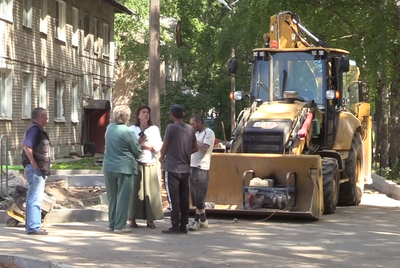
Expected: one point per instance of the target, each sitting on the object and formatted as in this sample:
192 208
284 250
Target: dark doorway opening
96 118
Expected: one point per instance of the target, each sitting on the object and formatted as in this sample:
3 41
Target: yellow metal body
20 218
226 171
226 174
363 111
277 110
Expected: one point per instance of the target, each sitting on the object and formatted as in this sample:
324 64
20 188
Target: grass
13 167
85 163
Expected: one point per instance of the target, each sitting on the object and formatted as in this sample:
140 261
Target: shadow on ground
362 236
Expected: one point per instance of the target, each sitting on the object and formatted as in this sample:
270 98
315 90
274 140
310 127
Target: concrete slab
387 187
76 172
3 216
104 198
85 181
23 261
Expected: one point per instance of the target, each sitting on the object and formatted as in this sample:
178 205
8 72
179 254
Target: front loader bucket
230 174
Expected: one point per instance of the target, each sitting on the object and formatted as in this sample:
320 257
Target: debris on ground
71 198
74 198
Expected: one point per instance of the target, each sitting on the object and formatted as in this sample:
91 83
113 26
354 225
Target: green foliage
174 95
369 29
86 163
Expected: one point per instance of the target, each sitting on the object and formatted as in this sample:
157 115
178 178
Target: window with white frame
27 14
43 16
106 92
43 93
97 92
74 103
86 85
59 102
26 95
6 84
106 39
96 36
61 7
86 30
75 26
6 9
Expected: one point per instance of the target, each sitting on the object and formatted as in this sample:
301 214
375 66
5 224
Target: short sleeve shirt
200 159
180 138
32 137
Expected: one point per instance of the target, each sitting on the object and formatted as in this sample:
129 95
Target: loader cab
277 72
315 73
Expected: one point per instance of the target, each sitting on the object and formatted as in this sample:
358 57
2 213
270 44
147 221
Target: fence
4 164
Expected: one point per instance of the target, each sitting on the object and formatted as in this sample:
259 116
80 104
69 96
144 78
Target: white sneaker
194 226
204 224
120 231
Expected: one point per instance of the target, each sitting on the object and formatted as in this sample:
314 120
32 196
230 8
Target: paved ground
363 236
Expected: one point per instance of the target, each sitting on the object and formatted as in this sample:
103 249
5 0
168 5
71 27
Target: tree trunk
394 151
382 120
154 62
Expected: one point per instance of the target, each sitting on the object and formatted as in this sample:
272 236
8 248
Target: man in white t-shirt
199 167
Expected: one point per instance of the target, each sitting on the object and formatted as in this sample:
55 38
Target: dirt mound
73 197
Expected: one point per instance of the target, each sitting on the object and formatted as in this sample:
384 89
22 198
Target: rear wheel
351 191
330 173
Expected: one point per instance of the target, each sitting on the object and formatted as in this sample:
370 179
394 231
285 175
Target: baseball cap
176 108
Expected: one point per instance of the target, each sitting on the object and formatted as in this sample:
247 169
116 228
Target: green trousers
119 190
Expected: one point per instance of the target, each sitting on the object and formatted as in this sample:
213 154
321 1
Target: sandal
151 225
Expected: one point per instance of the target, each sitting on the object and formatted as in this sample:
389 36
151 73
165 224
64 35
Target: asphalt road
364 236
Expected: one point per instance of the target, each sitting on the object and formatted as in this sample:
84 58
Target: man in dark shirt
36 162
179 143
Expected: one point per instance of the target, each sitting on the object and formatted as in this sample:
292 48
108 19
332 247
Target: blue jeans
36 181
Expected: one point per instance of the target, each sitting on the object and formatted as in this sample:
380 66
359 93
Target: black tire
330 173
12 222
351 191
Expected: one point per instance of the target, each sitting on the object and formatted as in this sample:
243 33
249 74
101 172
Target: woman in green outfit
119 167
146 202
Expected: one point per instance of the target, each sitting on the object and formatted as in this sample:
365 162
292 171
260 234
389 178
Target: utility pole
233 85
154 62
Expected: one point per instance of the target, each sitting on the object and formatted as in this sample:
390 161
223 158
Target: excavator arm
286 31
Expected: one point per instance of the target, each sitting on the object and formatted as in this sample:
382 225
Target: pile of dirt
74 198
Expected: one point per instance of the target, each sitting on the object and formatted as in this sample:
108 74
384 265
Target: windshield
291 71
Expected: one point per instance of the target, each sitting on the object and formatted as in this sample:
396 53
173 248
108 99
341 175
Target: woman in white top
146 201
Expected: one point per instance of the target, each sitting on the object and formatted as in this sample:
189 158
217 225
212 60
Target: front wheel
351 191
330 173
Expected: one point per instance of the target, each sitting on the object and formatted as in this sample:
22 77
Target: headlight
237 95
330 94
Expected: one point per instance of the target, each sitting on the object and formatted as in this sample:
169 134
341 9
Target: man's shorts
198 187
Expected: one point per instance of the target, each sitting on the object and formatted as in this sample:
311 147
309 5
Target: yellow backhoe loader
302 147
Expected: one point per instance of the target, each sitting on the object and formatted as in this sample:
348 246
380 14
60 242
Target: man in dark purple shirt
36 157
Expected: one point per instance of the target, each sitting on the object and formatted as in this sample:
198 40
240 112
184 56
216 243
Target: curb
76 172
67 215
30 262
387 187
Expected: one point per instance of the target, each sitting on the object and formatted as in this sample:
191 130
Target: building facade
58 55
